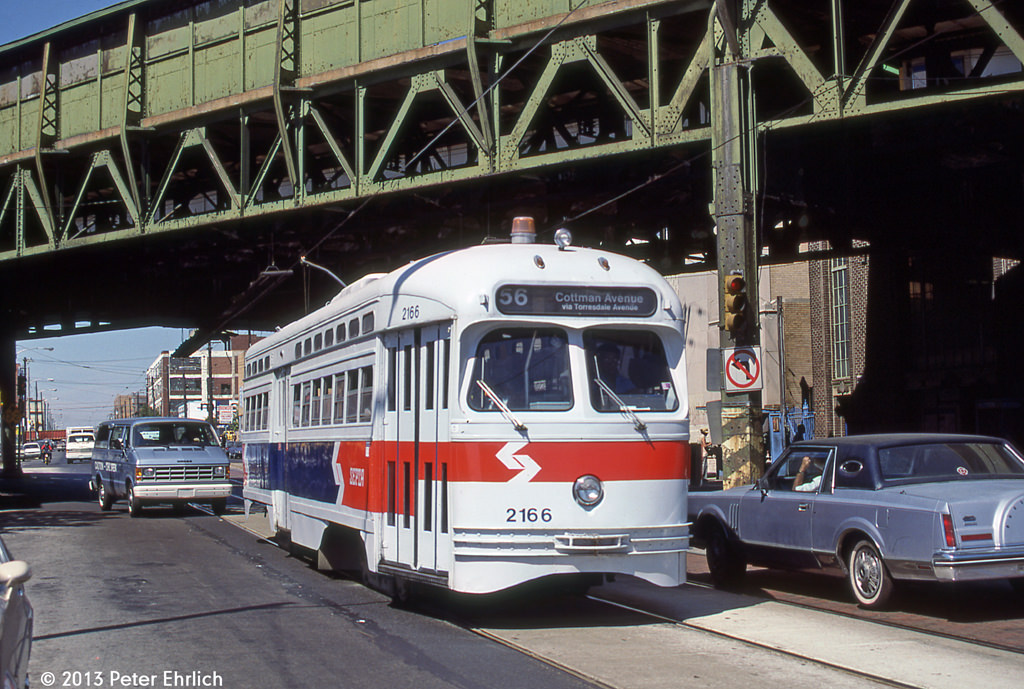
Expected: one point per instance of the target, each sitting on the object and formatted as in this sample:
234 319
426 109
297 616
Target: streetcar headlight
588 490
563 238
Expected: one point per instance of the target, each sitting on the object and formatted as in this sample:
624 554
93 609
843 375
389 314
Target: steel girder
258 123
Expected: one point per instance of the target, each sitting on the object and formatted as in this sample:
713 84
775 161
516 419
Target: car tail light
947 528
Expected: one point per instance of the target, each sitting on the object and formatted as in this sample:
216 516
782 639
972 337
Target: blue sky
82 374
34 16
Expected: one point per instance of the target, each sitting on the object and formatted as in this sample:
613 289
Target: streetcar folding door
287 404
416 531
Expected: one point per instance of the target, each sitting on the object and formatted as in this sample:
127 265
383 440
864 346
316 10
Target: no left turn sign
742 366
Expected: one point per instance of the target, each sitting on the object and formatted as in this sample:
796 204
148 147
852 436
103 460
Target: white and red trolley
478 419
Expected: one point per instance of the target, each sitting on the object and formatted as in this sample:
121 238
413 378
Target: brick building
205 385
913 341
784 317
838 323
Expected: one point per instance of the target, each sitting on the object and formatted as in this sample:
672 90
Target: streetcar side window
339 398
327 399
525 368
352 400
630 366
317 400
365 394
306 390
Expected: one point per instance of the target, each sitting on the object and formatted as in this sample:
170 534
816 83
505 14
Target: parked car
16 619
31 450
876 509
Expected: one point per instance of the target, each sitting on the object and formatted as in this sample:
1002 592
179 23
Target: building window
840 296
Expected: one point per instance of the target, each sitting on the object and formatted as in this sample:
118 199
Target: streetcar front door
415 469
434 543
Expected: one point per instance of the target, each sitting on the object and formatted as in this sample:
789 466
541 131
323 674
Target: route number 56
509 296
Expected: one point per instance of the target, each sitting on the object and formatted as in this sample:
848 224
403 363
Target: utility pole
734 144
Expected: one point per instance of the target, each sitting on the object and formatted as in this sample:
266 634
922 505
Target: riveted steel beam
134 93
285 70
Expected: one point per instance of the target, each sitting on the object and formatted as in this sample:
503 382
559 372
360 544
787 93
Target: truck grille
185 473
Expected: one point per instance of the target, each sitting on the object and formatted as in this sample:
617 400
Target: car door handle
803 507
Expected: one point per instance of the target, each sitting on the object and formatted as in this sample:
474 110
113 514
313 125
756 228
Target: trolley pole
734 146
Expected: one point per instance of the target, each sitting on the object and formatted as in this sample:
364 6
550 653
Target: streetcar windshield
526 368
633 366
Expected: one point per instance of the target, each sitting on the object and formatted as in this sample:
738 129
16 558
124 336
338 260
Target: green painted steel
224 109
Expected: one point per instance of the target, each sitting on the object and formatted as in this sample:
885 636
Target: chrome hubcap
866 572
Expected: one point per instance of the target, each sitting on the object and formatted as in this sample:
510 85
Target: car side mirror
14 573
762 485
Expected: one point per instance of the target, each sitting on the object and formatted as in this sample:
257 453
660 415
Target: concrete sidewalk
889 653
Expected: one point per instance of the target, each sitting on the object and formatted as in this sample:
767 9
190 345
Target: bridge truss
160 161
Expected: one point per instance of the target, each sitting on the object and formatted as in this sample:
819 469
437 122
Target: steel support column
734 155
10 416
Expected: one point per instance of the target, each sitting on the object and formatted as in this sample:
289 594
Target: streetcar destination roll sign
556 300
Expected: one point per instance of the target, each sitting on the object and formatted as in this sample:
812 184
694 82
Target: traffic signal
21 385
734 300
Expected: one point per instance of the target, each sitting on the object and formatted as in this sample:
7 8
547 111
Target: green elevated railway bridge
167 162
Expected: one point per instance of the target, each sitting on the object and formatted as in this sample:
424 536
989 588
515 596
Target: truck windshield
633 365
173 433
527 368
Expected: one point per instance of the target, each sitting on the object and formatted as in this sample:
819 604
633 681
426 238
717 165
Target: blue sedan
876 509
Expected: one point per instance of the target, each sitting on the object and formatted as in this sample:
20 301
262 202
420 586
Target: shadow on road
39 485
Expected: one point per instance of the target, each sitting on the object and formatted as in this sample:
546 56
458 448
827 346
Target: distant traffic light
21 385
734 300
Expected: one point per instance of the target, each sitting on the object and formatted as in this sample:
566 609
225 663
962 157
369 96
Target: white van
79 443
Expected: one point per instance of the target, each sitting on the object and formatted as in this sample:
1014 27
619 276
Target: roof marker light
523 231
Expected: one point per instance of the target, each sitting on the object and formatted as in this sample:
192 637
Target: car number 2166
528 514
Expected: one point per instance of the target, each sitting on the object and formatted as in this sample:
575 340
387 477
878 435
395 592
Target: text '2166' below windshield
529 369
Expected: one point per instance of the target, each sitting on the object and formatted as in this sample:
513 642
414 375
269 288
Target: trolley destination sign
574 300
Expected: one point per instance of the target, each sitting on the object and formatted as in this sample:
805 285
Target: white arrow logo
523 463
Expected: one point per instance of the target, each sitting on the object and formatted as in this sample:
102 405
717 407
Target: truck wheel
869 579
103 496
134 508
725 562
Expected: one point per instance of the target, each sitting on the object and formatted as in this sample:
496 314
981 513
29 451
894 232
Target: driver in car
808 477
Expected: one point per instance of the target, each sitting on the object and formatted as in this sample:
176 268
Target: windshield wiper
502 407
637 423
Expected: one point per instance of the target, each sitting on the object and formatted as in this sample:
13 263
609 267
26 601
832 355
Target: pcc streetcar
479 419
